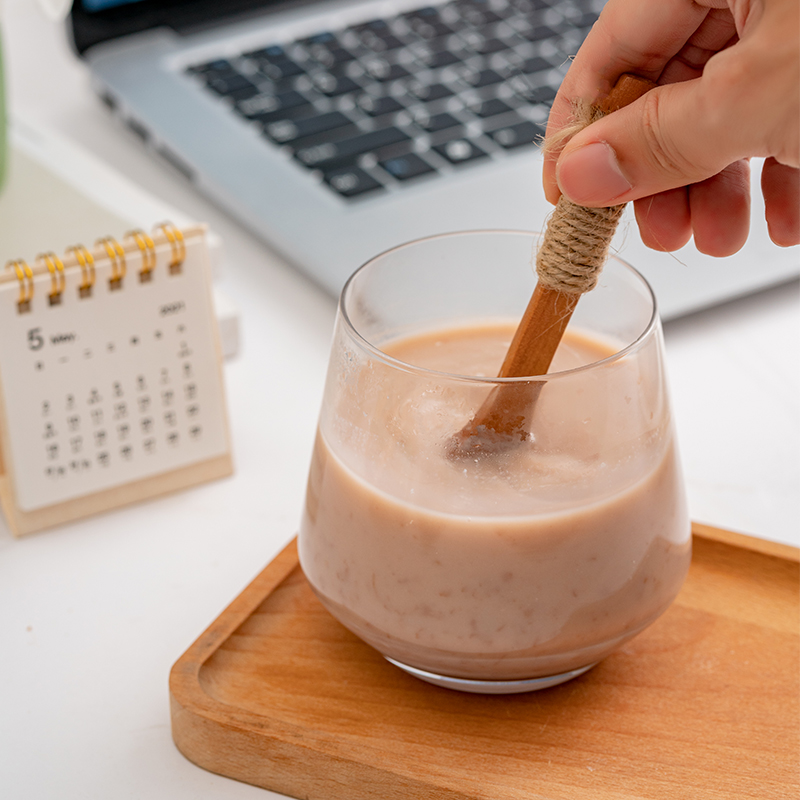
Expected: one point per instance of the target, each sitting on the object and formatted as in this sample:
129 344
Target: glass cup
502 568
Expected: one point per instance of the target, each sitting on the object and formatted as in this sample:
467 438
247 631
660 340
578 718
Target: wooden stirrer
503 417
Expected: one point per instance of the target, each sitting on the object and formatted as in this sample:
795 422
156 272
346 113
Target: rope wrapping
577 239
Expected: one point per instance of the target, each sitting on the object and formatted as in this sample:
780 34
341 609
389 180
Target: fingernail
591 175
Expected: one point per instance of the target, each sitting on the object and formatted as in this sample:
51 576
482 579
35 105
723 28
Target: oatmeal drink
517 566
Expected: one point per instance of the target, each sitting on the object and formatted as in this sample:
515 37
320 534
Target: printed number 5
35 339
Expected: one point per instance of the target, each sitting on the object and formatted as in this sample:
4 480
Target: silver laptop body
326 208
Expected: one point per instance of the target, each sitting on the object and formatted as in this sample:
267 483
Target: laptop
336 129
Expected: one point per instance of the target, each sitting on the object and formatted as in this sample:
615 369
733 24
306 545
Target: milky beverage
528 562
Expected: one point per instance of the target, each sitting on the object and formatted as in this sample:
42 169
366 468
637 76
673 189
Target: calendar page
109 367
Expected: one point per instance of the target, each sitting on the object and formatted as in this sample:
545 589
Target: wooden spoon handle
629 87
546 318
507 408
539 332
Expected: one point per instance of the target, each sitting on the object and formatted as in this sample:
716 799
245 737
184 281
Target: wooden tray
702 705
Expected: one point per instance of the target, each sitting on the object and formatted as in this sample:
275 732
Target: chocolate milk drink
530 562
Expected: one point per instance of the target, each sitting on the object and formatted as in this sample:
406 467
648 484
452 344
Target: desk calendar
111 387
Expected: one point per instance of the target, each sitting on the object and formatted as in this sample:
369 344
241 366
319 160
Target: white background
94 614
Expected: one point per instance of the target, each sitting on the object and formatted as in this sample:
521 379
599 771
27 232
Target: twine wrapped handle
570 259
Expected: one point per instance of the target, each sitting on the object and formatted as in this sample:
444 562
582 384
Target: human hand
728 75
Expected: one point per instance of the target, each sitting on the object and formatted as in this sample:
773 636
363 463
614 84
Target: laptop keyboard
392 101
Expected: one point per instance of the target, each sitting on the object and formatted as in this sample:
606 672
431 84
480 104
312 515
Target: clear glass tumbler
506 568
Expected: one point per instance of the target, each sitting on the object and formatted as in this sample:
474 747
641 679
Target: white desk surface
93 615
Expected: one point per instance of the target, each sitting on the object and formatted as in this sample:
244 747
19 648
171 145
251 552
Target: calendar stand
22 522
111 387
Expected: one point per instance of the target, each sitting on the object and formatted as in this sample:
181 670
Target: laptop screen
96 21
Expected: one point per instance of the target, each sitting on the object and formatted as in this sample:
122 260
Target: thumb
673 136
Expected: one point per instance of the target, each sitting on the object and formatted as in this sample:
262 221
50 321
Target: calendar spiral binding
135 241
175 238
25 278
55 266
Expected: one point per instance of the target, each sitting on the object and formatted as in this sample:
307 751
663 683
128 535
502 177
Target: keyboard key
477 14
538 32
585 20
327 50
408 166
333 85
427 23
451 15
535 64
435 122
287 131
459 151
218 65
377 36
436 59
381 44
380 27
377 106
428 92
489 108
492 45
522 87
517 135
351 182
334 60
322 39
272 53
483 45
527 6
485 77
543 94
505 11
381 70
345 151
274 63
270 107
230 84
534 95
279 71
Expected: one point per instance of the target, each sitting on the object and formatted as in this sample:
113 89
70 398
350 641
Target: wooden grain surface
701 705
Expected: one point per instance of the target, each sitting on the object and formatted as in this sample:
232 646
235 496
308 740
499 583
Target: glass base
490 687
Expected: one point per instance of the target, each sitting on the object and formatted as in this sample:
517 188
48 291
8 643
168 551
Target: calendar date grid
119 422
